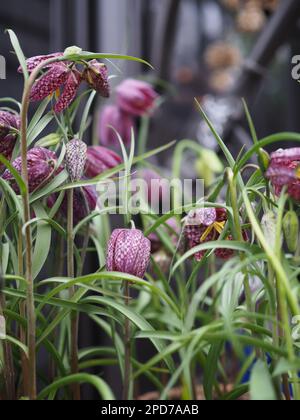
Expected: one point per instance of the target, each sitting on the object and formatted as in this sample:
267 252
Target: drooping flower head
136 97
122 122
128 252
84 202
76 155
41 164
206 225
96 75
64 79
8 123
100 159
282 171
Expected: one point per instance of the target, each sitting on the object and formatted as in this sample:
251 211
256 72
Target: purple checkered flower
128 252
206 225
76 154
96 75
8 123
283 171
41 164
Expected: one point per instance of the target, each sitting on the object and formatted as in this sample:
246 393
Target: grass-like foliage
217 329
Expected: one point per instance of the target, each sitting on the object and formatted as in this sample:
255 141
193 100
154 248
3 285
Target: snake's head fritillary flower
58 77
111 118
206 225
96 75
33 62
283 171
41 164
136 97
128 252
75 158
100 159
8 124
84 202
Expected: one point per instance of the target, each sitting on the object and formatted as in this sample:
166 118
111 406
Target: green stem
284 315
72 291
127 346
239 232
31 330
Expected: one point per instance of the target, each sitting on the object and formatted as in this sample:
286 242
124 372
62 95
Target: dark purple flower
85 201
8 122
206 225
283 171
100 159
33 62
76 154
128 252
136 97
96 75
59 75
69 91
123 123
41 164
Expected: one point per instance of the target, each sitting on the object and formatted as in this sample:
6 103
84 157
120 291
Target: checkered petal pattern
128 252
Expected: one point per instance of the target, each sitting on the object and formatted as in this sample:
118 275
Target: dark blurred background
178 37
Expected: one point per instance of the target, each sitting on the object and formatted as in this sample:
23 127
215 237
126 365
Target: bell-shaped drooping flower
100 159
41 164
75 158
128 252
9 123
112 118
136 97
206 225
33 62
84 202
96 75
283 171
59 75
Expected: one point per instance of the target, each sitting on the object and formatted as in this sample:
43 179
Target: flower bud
112 117
128 252
76 154
41 164
136 97
291 230
264 158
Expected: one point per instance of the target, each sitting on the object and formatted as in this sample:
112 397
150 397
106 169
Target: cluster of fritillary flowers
64 78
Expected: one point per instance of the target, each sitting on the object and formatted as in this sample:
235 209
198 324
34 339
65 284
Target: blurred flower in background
134 98
113 118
